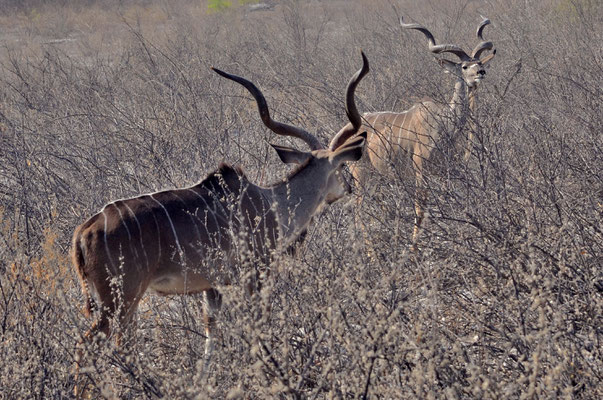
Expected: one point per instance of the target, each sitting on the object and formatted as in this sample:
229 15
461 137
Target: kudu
419 137
190 240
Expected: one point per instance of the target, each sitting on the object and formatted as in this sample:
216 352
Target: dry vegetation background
109 99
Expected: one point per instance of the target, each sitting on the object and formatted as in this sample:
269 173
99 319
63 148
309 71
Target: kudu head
470 68
328 160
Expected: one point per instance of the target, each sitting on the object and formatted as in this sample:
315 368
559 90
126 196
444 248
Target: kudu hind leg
114 309
420 205
101 325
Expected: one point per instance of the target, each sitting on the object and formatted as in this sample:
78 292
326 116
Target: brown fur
190 240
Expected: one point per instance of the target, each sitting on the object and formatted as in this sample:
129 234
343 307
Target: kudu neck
296 200
459 97
472 97
462 102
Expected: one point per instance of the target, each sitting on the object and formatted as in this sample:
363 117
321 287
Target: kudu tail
79 261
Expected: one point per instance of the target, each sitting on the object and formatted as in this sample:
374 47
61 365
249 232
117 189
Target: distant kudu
190 240
418 137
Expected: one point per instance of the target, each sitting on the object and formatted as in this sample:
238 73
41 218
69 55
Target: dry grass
504 300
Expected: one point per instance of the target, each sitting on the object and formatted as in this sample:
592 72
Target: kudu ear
449 66
351 150
289 155
488 58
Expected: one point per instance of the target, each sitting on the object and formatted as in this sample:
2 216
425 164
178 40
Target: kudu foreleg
212 301
421 195
364 188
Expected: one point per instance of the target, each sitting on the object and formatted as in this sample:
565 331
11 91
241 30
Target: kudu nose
482 72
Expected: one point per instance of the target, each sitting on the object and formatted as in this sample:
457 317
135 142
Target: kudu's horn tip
220 72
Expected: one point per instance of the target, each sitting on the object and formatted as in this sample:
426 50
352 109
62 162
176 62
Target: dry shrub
504 299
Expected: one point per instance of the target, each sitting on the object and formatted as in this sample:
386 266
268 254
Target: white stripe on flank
402 127
180 252
371 124
392 130
377 129
107 245
123 222
121 218
140 233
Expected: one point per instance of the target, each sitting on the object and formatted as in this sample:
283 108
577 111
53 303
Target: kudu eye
464 67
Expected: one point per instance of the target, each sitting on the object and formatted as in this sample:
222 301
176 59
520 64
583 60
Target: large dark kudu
189 240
